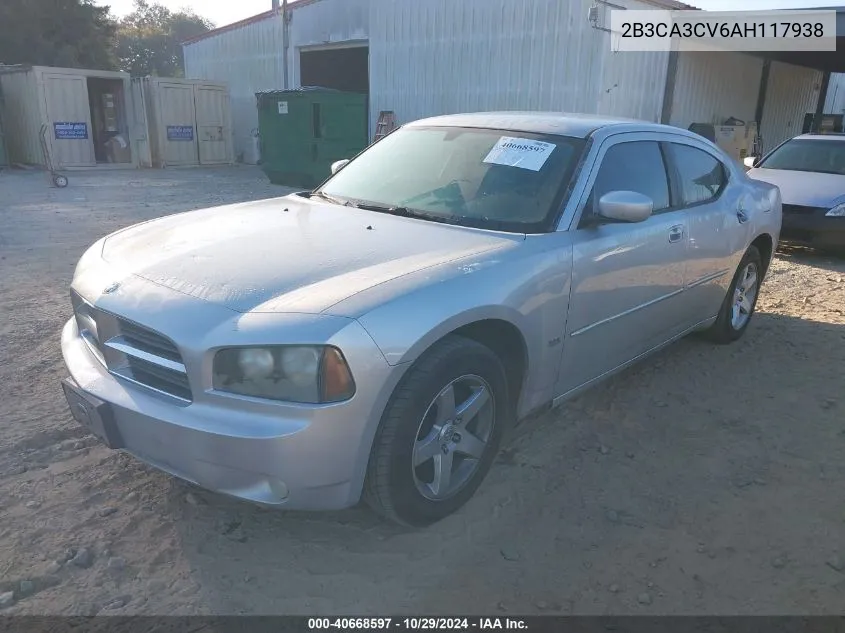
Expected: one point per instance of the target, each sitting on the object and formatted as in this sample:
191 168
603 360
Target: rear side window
702 176
633 166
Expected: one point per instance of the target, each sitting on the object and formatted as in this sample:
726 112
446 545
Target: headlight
837 212
291 373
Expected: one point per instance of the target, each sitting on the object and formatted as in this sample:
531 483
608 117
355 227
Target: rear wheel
439 434
739 304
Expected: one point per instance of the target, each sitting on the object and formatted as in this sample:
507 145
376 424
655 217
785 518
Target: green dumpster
302 132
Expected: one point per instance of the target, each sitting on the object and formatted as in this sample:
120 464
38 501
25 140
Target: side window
702 176
633 166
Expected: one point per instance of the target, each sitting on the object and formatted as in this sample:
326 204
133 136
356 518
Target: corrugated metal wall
249 60
22 117
327 22
793 91
430 57
632 83
711 87
835 102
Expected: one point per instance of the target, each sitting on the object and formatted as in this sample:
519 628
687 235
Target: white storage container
188 121
82 109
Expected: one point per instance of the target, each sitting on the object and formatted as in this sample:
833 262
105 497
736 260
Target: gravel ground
706 480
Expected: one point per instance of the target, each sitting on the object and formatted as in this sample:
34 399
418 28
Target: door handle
676 233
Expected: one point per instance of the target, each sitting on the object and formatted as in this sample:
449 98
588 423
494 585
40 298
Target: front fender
399 348
530 292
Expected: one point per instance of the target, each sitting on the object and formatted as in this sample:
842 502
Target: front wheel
739 304
439 433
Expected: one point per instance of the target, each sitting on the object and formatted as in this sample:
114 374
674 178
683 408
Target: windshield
825 156
496 179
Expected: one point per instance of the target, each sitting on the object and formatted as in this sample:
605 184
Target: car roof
558 123
834 136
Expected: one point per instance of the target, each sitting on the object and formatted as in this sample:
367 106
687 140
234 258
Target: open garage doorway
343 67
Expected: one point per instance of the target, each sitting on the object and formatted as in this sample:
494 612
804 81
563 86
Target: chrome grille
160 378
132 352
148 341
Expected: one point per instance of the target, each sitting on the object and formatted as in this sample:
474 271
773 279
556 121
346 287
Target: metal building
325 44
420 58
86 112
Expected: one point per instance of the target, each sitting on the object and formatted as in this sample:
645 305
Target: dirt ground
706 480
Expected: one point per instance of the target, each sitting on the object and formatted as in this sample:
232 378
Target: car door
716 212
627 278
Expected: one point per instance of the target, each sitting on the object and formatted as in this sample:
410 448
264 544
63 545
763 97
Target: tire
60 181
412 427
727 329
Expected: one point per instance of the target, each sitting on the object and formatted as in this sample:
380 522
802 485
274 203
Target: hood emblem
111 288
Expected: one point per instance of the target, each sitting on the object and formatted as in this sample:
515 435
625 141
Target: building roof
557 123
85 72
296 4
266 15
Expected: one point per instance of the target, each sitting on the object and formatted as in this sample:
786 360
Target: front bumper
299 457
810 227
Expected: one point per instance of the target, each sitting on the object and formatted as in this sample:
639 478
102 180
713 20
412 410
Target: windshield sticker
520 152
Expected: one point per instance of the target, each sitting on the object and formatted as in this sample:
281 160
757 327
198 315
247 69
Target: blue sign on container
68 130
180 132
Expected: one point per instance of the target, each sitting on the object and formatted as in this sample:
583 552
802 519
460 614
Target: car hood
288 254
803 187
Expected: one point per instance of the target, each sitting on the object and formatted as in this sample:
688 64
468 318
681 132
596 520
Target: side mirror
625 206
750 161
338 165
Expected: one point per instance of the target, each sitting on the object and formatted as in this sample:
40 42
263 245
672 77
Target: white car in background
809 170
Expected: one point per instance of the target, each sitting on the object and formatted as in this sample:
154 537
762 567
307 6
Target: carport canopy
826 61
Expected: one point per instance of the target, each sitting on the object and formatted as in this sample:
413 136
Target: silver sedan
378 336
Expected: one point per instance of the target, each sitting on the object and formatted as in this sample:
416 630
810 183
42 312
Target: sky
222 12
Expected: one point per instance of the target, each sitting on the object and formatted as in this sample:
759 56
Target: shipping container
86 114
183 122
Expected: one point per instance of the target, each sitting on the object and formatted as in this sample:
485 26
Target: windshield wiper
383 208
327 197
405 212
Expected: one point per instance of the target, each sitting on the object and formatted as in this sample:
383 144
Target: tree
67 33
149 38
